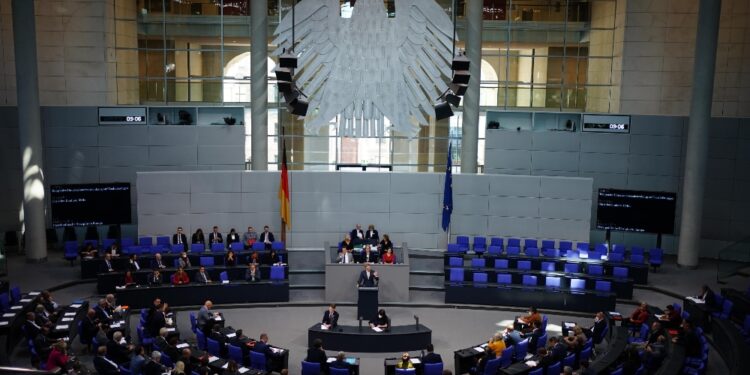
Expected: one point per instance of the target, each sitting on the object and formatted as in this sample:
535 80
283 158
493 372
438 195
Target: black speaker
493 125
287 60
460 62
454 100
285 86
298 106
461 76
443 110
459 88
284 74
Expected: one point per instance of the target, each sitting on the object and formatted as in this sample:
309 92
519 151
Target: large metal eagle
369 66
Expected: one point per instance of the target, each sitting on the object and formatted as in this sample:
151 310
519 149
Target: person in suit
180 277
262 346
103 314
381 321
707 296
154 366
431 356
385 243
180 238
138 360
316 354
157 321
252 273
345 256
103 365
357 234
157 263
232 237
160 341
206 317
543 358
107 265
198 237
202 276
113 250
368 277
43 344
368 256
596 331
30 326
557 348
330 317
133 264
184 261
267 237
371 236
249 238
89 326
154 279
230 260
215 236
118 349
340 361
534 335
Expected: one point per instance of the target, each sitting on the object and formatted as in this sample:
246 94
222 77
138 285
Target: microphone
360 323
416 319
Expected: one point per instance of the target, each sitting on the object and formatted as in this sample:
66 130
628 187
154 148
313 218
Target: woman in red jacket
180 277
389 257
58 357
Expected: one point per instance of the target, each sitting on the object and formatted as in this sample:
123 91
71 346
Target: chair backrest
572 268
552 282
145 241
213 346
177 248
492 366
565 245
617 248
258 246
595 269
554 368
582 245
504 278
539 371
480 278
432 368
569 360
477 263
480 241
531 251
176 262
217 247
506 358
462 240
15 294
620 272
603 286
166 360
501 263
636 250
617 371
207 261
258 360
548 266
224 276
655 255
277 272
193 322
457 275
277 245
236 246
454 248
541 342
577 284
636 258
197 248
551 252
126 241
405 371
548 244
4 301
602 248
585 354
524 265
340 371
310 368
727 306
644 331
521 349
163 240
516 242
496 241
616 257
235 353
495 250
529 280
455 262
513 250
200 339
528 243
124 370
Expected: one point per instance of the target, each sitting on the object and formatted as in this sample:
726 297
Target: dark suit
372 236
432 358
161 343
355 235
118 353
597 331
156 323
133 265
159 264
154 280
262 347
316 356
183 239
332 320
366 281
153 368
107 266
232 237
215 238
264 236
559 351
202 277
88 329
104 367
368 258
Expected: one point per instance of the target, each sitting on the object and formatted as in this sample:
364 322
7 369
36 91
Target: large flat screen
636 211
90 204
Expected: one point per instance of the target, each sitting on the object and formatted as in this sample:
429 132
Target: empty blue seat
207 261
548 266
224 276
521 349
514 242
4 302
108 242
454 248
145 241
616 257
456 275
616 248
529 280
501 263
235 353
603 286
655 256
527 243
636 258
726 310
548 244
596 255
524 265
496 241
277 273
552 253
163 240
585 355
582 245
595 270
504 279
506 358
541 342
531 251
572 268
513 250
637 250
620 272
565 245
126 242
491 368
480 279
277 245
572 254
552 282
602 248
310 368
177 248
200 339
554 368
258 360
569 361
258 246
494 250
213 346
480 245
217 247
455 262
463 242
577 284
197 248
236 246
477 263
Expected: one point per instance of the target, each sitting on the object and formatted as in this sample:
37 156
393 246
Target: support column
29 130
259 84
698 128
470 132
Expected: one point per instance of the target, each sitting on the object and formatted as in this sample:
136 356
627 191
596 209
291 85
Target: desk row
523 296
196 294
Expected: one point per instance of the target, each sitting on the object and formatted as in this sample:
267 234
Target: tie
136 266
179 239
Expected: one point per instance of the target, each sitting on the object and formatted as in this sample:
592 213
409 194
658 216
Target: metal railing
733 259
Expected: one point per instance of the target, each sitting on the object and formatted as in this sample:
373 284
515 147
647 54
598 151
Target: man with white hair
154 366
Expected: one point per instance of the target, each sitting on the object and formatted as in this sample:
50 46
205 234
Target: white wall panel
215 182
215 202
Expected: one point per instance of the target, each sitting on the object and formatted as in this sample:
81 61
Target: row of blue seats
591 269
517 353
655 255
165 242
71 248
7 300
480 245
479 279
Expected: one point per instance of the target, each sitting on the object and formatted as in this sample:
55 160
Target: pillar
470 129
259 84
693 185
29 130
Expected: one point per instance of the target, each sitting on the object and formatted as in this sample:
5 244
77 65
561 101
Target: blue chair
163 240
501 264
236 246
217 247
93 243
529 243
496 241
565 245
463 242
456 275
548 244
176 262
94 344
515 242
544 323
506 358
637 259
166 360
529 280
207 261
15 294
224 276
572 268
84 341
200 339
524 265
539 371
124 370
404 371
480 245
213 347
108 242
637 250
577 284
601 248
71 253
310 368
477 263
504 279
340 371
552 253
620 272
454 248
277 245
197 248
585 354
548 266
193 322
257 246
596 255
582 246
177 248
531 251
492 366
552 282
541 342
595 270
480 279
616 257
126 242
277 273
642 335
521 349
554 368
725 313
603 286
619 249
258 361
569 361
429 369
455 262
513 250
655 256
495 250
145 241
4 302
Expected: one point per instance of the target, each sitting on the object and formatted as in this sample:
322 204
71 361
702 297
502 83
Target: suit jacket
102 314
215 238
597 331
104 367
332 320
161 343
156 323
184 239
117 352
250 277
346 257
204 316
372 236
432 358
202 277
233 237
133 265
355 235
106 266
367 281
262 347
195 238
559 351
88 329
153 368
154 280
160 264
372 258
136 364
263 237
316 356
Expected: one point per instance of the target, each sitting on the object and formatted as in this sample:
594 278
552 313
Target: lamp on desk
416 321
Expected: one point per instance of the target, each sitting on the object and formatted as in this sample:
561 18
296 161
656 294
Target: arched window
488 86
236 84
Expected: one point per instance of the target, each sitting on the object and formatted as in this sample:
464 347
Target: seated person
357 235
496 343
330 317
230 260
133 263
154 279
274 258
557 348
381 321
371 236
511 336
346 244
543 358
184 261
255 258
653 354
385 244
689 339
316 354
431 356
345 256
128 279
180 238
706 295
180 277
88 252
576 341
267 237
671 318
157 263
534 335
202 276
524 323
340 361
252 273
638 317
198 237
114 250
405 362
107 265
596 331
118 349
249 238
368 256
632 361
215 236
656 331
389 257
232 237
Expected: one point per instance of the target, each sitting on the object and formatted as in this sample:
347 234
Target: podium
367 304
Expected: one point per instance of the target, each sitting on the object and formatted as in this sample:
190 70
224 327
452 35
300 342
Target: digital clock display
122 115
606 123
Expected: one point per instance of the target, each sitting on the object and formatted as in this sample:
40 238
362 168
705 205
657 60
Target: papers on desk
217 318
225 365
25 300
75 305
182 345
415 361
531 363
528 356
61 326
479 349
569 325
8 315
243 370
34 293
225 281
277 350
330 359
659 316
323 327
66 320
212 359
4 323
16 307
121 287
614 314
695 300
233 334
69 314
116 325
172 329
376 329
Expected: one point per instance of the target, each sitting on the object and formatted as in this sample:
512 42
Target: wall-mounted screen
90 204
636 211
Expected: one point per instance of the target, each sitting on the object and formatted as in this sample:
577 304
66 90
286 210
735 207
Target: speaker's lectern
367 305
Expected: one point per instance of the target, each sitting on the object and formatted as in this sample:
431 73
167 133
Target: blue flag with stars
448 191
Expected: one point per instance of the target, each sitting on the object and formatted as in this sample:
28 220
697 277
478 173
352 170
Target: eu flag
448 191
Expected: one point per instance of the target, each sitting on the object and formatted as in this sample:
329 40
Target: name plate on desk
4 323
16 307
33 293
182 346
61 326
8 315
212 359
25 300
70 314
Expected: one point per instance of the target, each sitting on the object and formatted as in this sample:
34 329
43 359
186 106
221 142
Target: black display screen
636 211
90 204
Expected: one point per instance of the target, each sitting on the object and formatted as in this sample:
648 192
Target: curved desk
196 294
352 339
517 295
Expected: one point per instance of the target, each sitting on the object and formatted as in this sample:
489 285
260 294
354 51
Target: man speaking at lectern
368 277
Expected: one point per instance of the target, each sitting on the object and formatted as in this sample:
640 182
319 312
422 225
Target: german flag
284 195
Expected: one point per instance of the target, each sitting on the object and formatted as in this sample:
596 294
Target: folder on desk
8 315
